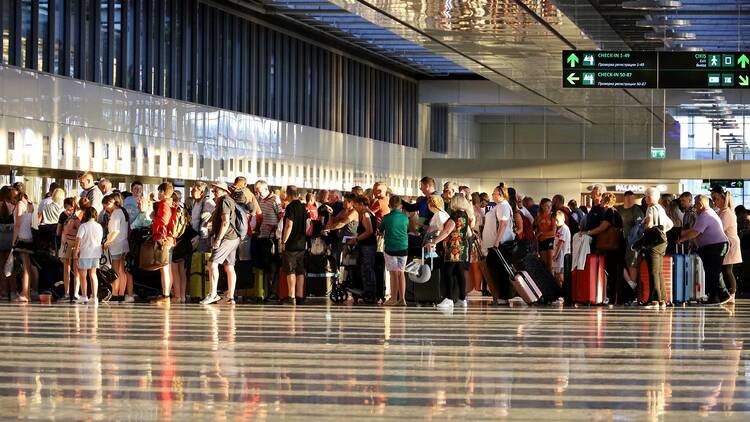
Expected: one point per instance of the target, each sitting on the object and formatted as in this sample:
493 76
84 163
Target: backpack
180 222
240 220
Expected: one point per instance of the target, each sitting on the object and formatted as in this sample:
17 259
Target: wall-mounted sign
632 188
658 153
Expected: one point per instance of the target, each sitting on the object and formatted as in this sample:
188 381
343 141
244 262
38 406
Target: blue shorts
88 263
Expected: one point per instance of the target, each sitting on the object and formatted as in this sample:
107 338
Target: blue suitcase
681 273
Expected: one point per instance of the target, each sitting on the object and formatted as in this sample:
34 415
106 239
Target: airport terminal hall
345 210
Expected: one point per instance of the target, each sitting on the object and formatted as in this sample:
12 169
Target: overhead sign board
610 69
651 69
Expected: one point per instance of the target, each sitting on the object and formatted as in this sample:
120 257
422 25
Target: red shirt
163 220
380 208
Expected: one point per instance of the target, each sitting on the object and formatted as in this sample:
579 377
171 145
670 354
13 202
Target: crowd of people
278 228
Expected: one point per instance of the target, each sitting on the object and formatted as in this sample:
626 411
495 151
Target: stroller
345 283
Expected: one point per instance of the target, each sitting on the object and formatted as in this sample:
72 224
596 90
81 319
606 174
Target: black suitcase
321 274
499 275
544 279
429 292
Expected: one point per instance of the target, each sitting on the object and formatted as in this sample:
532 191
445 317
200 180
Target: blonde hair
608 198
460 203
58 195
437 201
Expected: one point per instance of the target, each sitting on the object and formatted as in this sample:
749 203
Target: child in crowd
90 236
562 246
67 228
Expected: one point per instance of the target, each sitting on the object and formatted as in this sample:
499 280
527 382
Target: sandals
20 299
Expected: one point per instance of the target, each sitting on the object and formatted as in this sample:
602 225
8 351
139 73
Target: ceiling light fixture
662 22
656 5
669 35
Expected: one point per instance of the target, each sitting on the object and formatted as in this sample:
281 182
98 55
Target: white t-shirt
659 217
498 213
118 223
562 236
90 236
438 221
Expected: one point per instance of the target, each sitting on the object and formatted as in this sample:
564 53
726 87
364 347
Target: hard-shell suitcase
542 277
696 285
590 284
667 270
259 289
199 283
527 288
680 277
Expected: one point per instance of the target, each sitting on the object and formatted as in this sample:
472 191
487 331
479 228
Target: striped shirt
270 207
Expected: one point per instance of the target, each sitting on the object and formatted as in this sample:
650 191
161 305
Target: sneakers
289 301
128 299
651 305
82 300
464 303
445 304
210 299
663 305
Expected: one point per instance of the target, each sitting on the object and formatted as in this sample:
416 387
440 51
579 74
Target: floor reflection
254 363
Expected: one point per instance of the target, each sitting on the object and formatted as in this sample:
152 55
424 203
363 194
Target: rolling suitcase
590 284
667 270
497 274
199 283
320 275
542 277
696 285
428 292
680 276
527 288
259 287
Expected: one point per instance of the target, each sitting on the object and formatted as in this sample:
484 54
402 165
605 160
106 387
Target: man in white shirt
90 191
46 201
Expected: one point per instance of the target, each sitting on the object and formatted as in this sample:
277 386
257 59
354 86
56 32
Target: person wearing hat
224 245
723 200
712 247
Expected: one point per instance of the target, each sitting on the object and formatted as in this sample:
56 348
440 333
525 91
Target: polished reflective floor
146 362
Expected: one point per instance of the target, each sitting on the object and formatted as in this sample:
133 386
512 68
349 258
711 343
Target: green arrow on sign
573 59
743 61
572 78
744 80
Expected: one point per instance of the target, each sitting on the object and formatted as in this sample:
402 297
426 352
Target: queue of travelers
277 230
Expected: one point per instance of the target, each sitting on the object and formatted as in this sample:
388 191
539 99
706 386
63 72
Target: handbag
609 240
9 264
651 238
105 273
154 255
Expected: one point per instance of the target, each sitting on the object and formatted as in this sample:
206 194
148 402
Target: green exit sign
658 153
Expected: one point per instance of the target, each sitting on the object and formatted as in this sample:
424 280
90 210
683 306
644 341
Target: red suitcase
645 280
590 284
